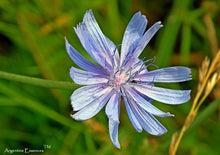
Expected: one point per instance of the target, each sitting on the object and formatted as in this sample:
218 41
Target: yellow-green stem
37 81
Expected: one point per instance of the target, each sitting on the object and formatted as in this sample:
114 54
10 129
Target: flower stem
37 81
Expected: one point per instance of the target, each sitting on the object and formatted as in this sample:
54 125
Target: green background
32 43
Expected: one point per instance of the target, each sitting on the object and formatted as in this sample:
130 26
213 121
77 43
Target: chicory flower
122 76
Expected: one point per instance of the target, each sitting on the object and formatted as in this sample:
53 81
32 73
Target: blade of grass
89 143
35 106
5 101
170 31
68 142
204 115
199 27
185 43
168 40
19 136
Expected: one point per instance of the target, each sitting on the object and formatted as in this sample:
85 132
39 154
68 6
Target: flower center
118 80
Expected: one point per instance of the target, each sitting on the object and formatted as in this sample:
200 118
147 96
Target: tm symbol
47 146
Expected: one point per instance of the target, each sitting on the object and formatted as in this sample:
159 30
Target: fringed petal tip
161 133
67 44
140 16
73 117
170 115
159 23
73 106
89 11
78 117
187 96
167 114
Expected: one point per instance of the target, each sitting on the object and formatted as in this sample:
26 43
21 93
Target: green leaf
185 44
202 116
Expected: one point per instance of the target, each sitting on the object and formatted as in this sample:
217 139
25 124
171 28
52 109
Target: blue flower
123 76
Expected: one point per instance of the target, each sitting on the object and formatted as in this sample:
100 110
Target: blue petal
133 33
94 41
170 74
131 115
146 38
113 132
93 108
113 107
86 78
96 32
85 95
168 96
147 121
148 99
114 53
94 49
137 99
112 111
81 61
87 42
90 45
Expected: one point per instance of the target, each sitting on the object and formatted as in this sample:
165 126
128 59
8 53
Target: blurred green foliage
32 43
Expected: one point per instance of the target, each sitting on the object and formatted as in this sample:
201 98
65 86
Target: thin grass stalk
196 104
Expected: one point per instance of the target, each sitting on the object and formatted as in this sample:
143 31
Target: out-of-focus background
32 43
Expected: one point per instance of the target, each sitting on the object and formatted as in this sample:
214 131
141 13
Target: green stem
38 81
